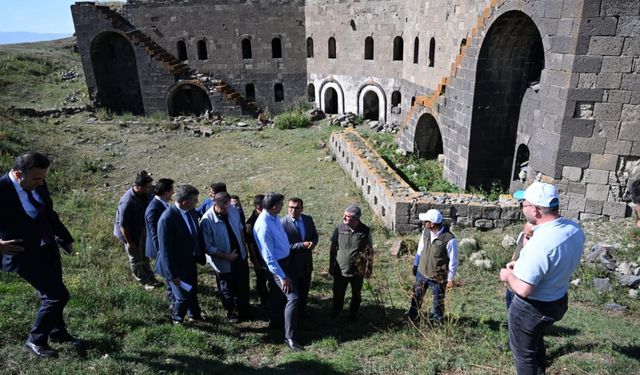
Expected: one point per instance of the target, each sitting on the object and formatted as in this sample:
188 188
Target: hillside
96 157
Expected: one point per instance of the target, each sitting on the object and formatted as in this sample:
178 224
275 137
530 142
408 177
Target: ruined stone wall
222 25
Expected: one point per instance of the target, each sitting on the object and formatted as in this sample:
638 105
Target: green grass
128 329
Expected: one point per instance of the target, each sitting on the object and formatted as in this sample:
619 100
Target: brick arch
325 96
382 99
189 98
116 73
511 56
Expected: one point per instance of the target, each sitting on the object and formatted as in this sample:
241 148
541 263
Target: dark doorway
427 143
370 106
398 48
309 47
116 74
182 50
246 49
278 92
250 92
330 101
521 169
396 98
511 57
202 50
276 48
189 100
368 48
311 92
416 50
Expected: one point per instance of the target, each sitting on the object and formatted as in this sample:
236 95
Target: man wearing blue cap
540 277
435 264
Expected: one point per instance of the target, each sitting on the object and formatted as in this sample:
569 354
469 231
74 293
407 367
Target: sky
37 16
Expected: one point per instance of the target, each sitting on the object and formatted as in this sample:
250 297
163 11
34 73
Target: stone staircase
229 101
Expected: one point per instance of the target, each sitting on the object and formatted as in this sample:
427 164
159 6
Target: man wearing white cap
540 277
435 264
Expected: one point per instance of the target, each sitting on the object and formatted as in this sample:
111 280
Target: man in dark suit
159 203
180 246
31 234
303 237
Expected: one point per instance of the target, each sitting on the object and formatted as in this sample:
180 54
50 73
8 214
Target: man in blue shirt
274 248
540 277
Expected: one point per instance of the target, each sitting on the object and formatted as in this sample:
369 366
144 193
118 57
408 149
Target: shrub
292 120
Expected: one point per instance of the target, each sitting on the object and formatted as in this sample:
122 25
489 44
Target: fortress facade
502 88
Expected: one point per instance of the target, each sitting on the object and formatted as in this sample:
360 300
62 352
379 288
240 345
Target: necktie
297 224
45 227
37 205
194 233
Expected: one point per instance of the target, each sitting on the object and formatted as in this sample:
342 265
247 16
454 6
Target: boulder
398 248
633 293
614 307
575 282
624 268
508 242
602 285
629 281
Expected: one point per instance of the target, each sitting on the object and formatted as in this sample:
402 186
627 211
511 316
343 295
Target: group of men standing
178 237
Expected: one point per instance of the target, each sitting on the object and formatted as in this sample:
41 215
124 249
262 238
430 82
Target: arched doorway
188 99
510 59
330 101
116 74
427 142
370 106
311 92
521 167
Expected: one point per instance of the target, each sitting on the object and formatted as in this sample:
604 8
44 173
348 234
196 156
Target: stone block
576 204
574 159
630 82
631 47
630 112
510 213
608 80
598 26
578 127
475 211
597 192
403 208
635 149
501 223
628 26
461 209
614 209
606 45
619 7
618 147
398 248
587 64
630 131
617 64
619 96
445 209
585 95
483 224
605 162
593 206
596 176
585 216
571 214
464 221
591 145
491 212
587 80
607 111
572 173
607 129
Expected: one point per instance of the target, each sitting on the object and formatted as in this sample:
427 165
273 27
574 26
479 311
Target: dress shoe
40 351
294 345
177 322
68 339
196 320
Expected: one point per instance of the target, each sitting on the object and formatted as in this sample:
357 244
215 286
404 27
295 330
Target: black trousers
44 273
340 287
234 289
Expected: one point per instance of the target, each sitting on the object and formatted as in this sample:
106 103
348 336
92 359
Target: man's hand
11 247
308 245
233 256
505 273
68 248
450 284
287 285
176 281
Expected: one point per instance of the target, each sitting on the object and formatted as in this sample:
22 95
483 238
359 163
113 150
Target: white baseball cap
542 194
432 215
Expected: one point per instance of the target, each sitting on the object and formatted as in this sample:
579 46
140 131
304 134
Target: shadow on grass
473 322
181 363
561 331
569 348
629 351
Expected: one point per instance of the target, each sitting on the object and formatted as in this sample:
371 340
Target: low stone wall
397 204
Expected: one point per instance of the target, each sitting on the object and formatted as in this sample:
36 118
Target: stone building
507 90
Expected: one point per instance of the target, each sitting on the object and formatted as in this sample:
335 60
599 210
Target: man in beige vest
435 264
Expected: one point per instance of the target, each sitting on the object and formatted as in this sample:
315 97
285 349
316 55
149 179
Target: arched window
463 43
309 47
311 92
432 52
278 91
416 50
202 50
368 48
182 50
395 98
276 48
413 101
246 48
250 92
398 48
332 48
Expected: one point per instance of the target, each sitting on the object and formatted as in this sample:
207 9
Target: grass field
128 329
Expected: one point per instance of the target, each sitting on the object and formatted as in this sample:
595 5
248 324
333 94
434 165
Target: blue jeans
508 297
419 289
527 320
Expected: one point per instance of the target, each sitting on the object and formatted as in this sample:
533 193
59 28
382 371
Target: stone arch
188 98
427 140
398 48
181 47
202 50
510 58
368 48
331 98
116 73
246 49
365 109
309 47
